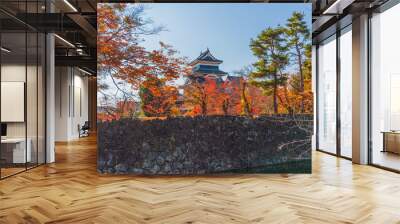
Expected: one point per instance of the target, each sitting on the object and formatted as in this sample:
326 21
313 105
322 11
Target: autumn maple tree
158 95
157 99
136 81
252 100
202 96
231 95
123 60
120 27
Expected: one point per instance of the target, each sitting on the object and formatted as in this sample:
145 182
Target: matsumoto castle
206 65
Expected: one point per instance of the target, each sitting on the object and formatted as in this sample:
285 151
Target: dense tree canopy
298 37
275 48
271 50
138 82
123 60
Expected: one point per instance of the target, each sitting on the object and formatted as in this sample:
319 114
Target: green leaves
274 47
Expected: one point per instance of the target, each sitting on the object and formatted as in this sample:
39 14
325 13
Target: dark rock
204 144
121 168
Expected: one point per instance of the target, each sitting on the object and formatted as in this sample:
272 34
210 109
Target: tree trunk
299 60
203 108
289 104
275 94
246 106
225 106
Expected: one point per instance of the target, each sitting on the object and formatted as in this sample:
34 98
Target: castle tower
206 65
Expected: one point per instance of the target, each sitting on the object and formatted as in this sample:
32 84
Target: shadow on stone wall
211 144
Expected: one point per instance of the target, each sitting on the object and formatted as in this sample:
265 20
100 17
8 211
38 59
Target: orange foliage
101 116
158 99
202 98
118 51
256 101
153 72
291 99
121 57
157 95
231 97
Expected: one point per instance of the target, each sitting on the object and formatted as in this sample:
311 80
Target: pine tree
271 50
298 41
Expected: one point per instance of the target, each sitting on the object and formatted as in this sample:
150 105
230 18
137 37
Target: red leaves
295 101
213 98
154 73
119 52
159 100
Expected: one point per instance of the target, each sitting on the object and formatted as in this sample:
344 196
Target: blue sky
226 29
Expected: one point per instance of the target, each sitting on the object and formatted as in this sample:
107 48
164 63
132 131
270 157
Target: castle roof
208 69
206 56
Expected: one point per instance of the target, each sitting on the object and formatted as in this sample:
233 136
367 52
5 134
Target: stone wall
199 145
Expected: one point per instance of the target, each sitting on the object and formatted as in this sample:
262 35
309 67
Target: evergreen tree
271 50
298 37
